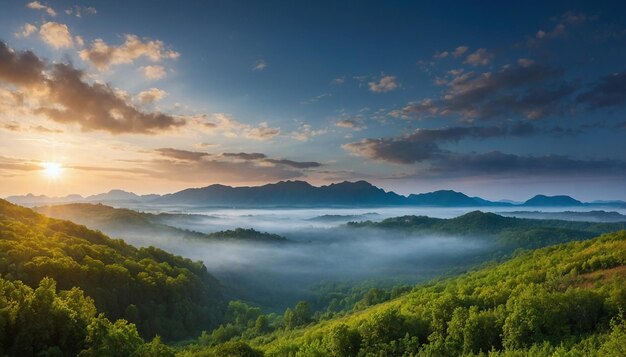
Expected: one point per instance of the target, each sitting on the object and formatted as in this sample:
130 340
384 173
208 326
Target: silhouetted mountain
542 200
287 193
301 193
449 198
591 216
30 200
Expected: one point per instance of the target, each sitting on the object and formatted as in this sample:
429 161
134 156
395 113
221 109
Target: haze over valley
312 179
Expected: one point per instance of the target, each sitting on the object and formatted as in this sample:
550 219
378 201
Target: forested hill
507 231
162 293
566 299
127 223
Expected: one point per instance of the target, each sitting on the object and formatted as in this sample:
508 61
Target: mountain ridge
302 193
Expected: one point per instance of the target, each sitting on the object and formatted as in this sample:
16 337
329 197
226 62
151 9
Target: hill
449 198
591 216
162 293
564 298
554 201
247 235
123 222
509 232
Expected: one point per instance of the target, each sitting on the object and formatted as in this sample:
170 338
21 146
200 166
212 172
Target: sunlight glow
52 169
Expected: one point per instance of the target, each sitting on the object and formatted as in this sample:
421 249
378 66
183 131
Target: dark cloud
66 97
255 158
526 89
496 163
424 144
182 154
20 68
245 156
608 91
97 107
294 164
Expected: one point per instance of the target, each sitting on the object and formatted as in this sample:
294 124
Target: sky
495 99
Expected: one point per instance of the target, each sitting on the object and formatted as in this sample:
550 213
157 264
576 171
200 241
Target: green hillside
509 232
161 293
561 300
125 223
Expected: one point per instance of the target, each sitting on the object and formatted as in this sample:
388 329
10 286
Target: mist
320 249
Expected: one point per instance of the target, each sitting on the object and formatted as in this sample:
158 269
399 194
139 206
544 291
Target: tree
343 341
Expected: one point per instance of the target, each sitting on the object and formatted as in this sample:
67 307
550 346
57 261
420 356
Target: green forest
67 290
563 300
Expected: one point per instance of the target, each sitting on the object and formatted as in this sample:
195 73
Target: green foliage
164 294
564 300
509 232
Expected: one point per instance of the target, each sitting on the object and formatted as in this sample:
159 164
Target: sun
52 169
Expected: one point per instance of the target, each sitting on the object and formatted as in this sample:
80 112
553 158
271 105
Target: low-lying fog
321 249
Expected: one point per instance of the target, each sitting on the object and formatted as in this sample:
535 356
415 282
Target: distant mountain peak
559 200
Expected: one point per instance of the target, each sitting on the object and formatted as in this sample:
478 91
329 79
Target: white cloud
259 65
153 72
305 132
102 56
56 35
151 95
36 5
226 125
339 80
385 84
78 11
26 30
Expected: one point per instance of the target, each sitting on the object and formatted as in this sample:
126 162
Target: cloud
459 51
424 144
355 122
153 72
13 164
56 35
78 11
261 132
36 5
182 154
237 167
151 95
20 68
566 20
61 94
385 84
102 56
262 158
316 98
259 65
531 90
338 81
245 156
306 132
295 164
227 125
480 57
26 31
499 164
608 91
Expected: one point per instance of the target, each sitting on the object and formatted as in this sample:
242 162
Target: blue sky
490 98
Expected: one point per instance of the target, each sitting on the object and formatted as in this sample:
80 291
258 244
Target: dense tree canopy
161 293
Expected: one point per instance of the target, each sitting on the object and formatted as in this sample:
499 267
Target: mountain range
301 193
